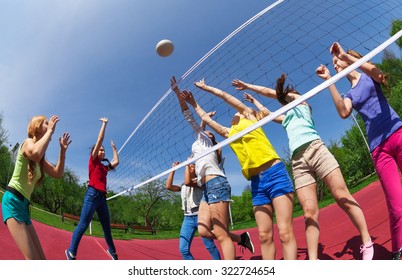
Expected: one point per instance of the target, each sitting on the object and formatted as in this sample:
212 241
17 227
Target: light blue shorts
271 183
13 207
216 190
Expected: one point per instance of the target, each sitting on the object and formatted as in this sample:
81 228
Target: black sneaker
246 242
397 255
113 255
69 255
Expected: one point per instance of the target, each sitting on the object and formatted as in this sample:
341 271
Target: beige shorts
315 160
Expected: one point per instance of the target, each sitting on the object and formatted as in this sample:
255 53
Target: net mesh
291 37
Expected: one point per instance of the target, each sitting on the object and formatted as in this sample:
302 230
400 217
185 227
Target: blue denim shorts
271 183
13 207
216 190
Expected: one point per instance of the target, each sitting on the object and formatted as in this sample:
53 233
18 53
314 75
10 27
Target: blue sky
83 60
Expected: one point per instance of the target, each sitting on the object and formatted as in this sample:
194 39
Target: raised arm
198 129
169 180
343 106
36 150
369 68
203 124
175 88
58 170
231 100
190 178
101 136
115 160
266 91
220 129
261 108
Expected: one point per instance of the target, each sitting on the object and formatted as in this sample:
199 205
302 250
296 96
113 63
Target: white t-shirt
209 164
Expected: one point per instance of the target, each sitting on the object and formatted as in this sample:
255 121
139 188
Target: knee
266 237
395 216
203 231
82 226
184 249
310 215
346 203
222 237
209 244
285 235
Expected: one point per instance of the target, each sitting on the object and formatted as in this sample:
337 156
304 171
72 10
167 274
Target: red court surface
339 239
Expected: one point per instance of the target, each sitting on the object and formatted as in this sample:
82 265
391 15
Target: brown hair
33 130
357 55
281 91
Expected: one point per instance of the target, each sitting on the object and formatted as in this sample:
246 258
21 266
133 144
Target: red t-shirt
97 174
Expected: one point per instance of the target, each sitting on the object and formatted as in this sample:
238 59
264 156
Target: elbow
382 78
35 157
344 114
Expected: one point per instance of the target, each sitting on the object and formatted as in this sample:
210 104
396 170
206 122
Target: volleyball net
289 36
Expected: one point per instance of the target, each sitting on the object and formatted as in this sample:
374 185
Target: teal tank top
299 125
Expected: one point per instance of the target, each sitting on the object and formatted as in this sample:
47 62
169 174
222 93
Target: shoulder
92 160
25 144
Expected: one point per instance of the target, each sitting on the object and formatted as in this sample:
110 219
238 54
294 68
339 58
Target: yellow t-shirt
253 149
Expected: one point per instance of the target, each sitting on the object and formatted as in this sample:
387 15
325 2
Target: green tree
149 198
242 207
60 195
3 132
392 67
121 210
356 161
6 166
5 156
396 26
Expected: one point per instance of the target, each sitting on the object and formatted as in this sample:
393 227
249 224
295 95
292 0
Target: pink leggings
387 157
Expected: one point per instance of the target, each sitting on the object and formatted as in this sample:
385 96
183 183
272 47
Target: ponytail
281 91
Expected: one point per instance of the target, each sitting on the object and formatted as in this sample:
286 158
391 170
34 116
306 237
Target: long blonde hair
33 130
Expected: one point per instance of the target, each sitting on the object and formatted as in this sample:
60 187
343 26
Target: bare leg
26 239
345 200
308 199
205 228
220 220
283 206
204 221
264 218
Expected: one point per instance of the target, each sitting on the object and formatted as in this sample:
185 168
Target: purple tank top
378 116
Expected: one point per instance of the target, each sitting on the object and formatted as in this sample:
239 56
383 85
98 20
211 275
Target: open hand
65 141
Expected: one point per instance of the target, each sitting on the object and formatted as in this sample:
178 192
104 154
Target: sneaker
367 251
112 255
246 242
397 256
69 255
